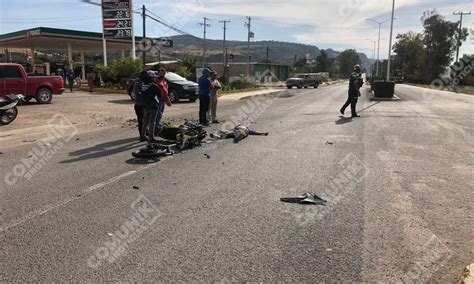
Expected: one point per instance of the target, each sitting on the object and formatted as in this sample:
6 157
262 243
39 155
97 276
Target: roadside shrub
118 71
226 88
241 84
384 89
184 72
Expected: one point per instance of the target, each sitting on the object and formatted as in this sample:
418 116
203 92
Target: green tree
440 38
323 62
410 55
347 59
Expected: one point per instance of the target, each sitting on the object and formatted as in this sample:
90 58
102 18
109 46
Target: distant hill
279 52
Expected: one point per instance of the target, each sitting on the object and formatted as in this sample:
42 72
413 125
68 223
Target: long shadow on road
103 150
343 120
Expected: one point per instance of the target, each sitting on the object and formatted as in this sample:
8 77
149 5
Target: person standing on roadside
214 97
164 100
205 87
147 97
70 79
90 81
355 83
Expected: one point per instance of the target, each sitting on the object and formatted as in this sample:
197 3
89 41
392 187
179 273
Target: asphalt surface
398 182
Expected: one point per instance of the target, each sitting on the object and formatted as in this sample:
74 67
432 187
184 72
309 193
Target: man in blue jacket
205 87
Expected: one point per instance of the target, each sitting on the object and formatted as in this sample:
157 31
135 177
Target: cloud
335 22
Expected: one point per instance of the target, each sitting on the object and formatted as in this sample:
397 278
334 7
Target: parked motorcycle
8 109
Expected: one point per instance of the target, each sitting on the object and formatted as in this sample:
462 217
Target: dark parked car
179 87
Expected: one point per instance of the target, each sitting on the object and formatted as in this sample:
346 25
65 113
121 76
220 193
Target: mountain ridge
279 51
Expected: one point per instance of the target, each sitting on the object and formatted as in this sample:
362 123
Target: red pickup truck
15 80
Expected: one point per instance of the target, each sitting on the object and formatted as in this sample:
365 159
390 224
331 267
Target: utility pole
268 52
144 34
373 56
460 31
248 25
378 48
390 42
104 41
205 25
224 48
134 45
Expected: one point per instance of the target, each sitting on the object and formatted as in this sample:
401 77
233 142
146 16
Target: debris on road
29 141
329 143
136 187
307 198
468 275
207 156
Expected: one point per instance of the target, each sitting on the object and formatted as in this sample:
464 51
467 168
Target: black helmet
357 67
145 77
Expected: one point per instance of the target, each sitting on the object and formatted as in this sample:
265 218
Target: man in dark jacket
70 76
147 97
355 83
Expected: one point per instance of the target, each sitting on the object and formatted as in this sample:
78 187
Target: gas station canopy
59 39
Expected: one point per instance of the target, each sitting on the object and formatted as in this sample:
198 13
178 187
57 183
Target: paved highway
398 182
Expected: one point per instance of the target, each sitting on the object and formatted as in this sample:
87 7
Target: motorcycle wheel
8 116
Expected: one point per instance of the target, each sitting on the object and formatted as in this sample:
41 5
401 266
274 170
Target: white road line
297 105
89 190
111 180
40 212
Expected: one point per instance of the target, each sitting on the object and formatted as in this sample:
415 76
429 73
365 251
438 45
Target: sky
336 24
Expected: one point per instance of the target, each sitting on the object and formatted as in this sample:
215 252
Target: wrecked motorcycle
154 151
8 109
177 138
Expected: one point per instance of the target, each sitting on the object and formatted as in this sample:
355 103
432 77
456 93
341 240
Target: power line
168 26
